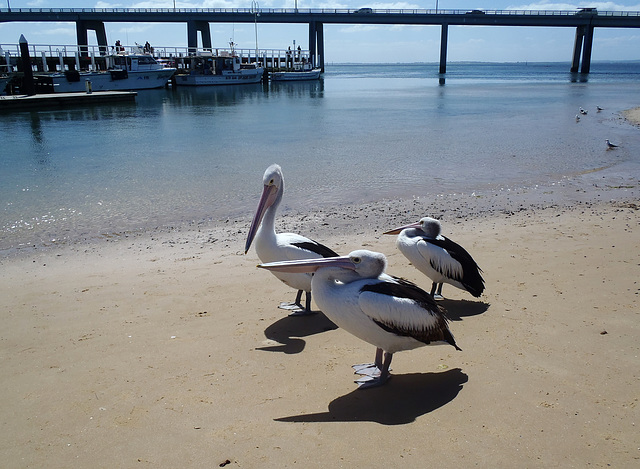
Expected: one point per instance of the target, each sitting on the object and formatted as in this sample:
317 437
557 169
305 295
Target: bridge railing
358 11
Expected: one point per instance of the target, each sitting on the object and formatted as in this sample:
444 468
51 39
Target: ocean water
362 133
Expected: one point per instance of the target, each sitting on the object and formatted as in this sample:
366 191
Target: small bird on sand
583 111
577 118
598 108
611 146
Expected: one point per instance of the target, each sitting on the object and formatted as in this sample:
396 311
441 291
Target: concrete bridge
92 19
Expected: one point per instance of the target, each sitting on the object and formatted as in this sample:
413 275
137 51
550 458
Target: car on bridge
587 11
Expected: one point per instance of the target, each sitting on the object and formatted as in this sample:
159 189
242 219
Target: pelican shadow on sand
288 330
402 400
459 309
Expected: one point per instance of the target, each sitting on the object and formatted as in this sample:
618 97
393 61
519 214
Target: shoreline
603 184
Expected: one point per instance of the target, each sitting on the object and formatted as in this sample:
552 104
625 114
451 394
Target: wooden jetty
63 100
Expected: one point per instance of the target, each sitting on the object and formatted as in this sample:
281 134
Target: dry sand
632 115
167 350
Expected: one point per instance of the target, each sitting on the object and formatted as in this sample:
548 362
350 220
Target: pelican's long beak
398 230
269 194
309 265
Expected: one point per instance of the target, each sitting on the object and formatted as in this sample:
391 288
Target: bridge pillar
312 43
316 44
577 49
193 27
586 53
444 36
82 35
320 45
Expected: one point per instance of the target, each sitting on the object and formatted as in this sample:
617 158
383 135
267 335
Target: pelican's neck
268 225
410 233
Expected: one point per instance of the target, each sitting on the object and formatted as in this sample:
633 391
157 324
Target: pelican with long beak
437 257
388 312
273 247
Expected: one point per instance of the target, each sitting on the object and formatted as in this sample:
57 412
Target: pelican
390 313
272 246
610 145
438 257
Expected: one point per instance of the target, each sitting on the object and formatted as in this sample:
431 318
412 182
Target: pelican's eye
356 260
272 182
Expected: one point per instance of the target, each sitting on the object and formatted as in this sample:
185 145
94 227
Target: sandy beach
166 349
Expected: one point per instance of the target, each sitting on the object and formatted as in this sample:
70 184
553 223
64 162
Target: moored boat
125 72
300 71
223 69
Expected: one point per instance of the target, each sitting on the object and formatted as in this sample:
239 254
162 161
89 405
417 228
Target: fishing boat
124 72
300 71
221 69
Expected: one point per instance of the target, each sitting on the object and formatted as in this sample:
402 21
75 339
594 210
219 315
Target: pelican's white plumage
388 312
437 257
273 247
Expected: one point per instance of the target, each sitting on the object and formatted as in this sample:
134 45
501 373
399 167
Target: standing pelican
272 247
438 257
390 313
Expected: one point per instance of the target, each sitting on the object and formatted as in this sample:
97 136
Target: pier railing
61 57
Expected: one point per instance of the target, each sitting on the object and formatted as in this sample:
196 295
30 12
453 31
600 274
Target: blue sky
356 43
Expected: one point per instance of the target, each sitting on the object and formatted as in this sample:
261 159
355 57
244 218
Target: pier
49 58
584 21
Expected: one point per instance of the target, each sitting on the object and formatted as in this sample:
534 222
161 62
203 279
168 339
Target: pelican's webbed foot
296 307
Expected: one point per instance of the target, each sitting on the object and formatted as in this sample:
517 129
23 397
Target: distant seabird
610 145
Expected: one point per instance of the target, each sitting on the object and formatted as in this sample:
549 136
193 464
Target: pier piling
27 86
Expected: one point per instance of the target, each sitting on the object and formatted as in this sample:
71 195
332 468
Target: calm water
362 133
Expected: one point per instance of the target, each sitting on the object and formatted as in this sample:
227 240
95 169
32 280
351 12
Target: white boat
300 71
125 72
223 69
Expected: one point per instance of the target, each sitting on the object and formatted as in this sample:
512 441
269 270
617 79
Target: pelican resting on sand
272 246
388 312
439 258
